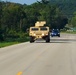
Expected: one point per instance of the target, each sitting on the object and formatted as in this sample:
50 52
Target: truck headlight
42 34
34 34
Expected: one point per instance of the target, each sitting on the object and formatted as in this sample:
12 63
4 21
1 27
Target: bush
23 37
1 35
17 36
12 34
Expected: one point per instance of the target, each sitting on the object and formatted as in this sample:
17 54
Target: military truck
39 31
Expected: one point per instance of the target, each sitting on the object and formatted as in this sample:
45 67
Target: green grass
9 42
14 39
70 32
74 32
4 44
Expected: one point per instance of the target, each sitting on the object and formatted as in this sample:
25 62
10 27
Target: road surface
39 58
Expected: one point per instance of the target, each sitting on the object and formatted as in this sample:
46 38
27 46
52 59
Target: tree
1 31
0 13
45 1
73 20
17 17
13 15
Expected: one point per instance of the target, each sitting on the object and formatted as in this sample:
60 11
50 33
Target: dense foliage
67 6
15 18
73 21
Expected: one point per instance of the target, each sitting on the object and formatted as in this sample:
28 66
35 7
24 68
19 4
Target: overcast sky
22 1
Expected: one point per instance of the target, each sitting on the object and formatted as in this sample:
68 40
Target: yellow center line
19 73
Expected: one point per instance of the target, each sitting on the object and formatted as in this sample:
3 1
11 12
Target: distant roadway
39 58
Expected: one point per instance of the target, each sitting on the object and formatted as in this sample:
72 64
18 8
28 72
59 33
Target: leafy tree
68 7
45 1
1 31
18 18
73 20
1 35
0 13
13 16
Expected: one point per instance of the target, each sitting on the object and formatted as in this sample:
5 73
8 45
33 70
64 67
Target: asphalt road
39 58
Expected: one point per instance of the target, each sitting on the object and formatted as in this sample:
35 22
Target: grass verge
9 42
69 32
74 32
4 44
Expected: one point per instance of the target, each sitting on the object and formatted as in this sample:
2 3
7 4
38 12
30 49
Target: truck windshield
34 29
43 28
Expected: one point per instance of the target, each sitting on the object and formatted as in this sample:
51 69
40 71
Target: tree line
68 7
15 18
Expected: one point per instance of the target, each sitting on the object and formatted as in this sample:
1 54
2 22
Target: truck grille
38 34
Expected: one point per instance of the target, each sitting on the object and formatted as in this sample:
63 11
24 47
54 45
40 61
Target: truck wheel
31 39
59 36
51 35
47 39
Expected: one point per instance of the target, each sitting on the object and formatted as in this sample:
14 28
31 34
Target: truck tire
31 39
47 39
58 35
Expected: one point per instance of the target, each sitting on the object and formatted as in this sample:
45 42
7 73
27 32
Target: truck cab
39 31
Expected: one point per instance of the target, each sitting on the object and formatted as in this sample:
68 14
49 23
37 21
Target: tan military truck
39 31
